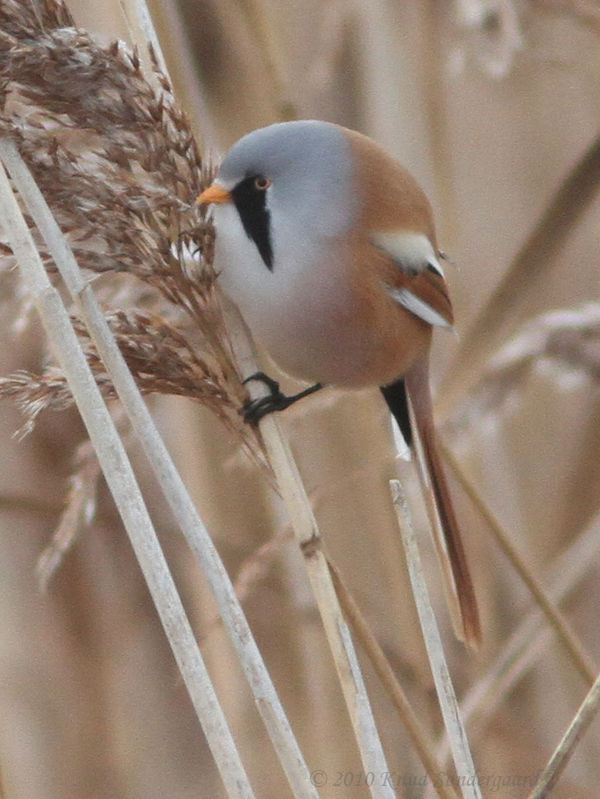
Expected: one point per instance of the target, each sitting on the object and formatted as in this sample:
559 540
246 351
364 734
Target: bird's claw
254 410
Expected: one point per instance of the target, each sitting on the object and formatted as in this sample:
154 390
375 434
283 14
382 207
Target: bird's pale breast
324 319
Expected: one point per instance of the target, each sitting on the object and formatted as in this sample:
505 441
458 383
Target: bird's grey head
291 183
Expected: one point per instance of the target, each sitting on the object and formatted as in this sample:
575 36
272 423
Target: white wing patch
413 304
413 252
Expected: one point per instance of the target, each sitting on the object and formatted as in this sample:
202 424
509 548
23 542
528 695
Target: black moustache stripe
251 206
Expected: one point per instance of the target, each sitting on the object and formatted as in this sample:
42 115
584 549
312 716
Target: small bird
327 246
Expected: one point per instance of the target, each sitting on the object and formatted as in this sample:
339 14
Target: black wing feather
397 401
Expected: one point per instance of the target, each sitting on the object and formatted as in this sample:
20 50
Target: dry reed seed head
565 343
159 355
19 19
117 161
114 155
36 393
162 359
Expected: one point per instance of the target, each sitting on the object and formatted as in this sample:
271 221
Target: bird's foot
254 410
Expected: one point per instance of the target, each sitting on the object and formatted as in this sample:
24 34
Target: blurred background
492 105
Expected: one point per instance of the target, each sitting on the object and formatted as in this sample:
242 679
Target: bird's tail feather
457 578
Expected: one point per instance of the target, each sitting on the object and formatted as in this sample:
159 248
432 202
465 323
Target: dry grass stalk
565 749
458 741
568 639
169 479
308 536
142 34
80 504
160 356
124 488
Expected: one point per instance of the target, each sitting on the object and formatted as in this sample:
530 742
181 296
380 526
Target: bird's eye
261 183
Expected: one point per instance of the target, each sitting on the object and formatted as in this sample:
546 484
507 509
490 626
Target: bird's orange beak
213 194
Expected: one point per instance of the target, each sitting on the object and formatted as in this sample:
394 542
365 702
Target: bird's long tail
457 578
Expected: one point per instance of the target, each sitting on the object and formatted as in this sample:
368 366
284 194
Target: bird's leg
254 410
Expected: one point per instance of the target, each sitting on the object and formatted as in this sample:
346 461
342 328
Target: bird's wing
417 283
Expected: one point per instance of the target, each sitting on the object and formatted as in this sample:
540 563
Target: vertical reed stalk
367 640
308 536
122 483
459 743
170 481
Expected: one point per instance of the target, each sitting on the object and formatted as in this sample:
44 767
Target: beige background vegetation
491 117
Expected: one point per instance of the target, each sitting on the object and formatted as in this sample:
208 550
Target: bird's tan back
391 197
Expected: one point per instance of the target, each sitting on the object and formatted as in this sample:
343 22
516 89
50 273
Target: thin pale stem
418 736
563 752
171 484
459 744
125 490
143 33
308 536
